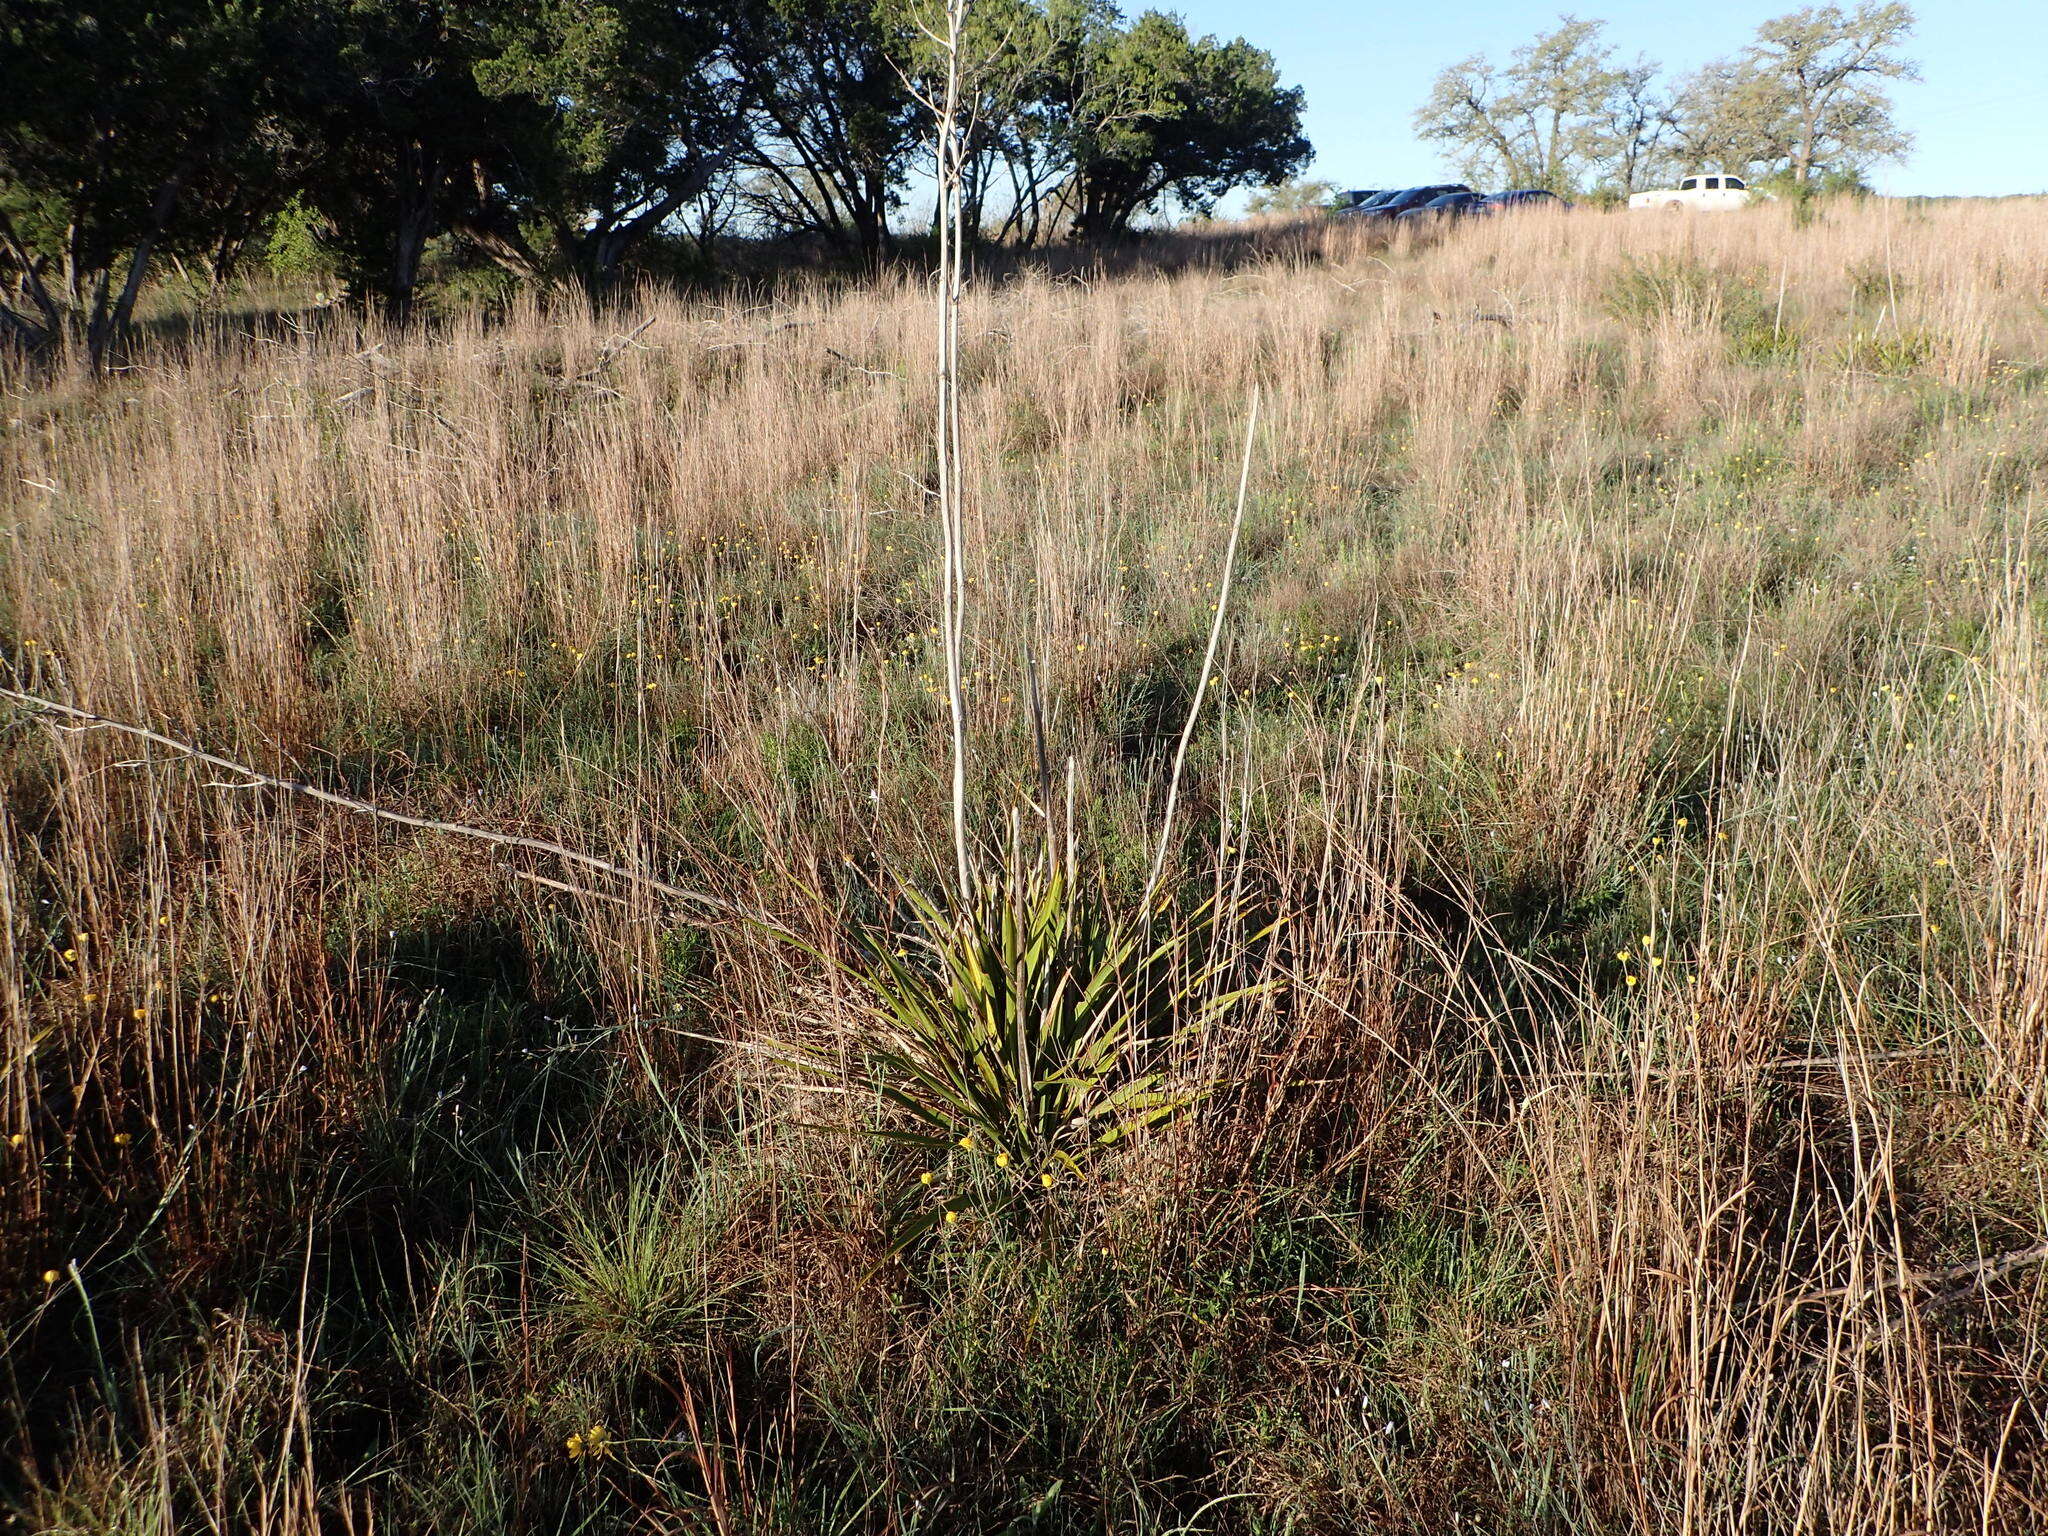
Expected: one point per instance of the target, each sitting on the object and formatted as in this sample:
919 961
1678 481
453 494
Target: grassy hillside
1623 794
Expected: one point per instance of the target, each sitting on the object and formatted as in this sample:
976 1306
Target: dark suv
1448 206
1390 204
1530 197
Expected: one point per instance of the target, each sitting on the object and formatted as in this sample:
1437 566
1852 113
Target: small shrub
1764 341
297 243
1645 291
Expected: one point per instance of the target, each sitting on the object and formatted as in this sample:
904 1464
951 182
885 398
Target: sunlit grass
1589 1026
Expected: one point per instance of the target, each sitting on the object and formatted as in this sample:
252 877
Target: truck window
1713 183
1734 184
1688 184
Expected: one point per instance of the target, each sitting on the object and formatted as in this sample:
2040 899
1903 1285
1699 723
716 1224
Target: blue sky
1980 116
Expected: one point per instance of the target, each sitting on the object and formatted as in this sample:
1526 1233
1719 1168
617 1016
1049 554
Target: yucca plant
1016 1034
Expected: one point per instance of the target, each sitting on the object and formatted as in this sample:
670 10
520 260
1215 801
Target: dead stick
1969 1275
423 823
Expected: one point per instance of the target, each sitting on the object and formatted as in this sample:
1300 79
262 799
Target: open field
1625 787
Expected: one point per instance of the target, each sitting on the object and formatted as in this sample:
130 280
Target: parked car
1703 194
1448 206
1390 204
1346 201
1527 197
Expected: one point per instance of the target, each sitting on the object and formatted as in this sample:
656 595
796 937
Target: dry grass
1631 706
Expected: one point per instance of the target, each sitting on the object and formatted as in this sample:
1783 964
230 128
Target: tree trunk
113 322
31 281
603 250
505 247
867 207
418 179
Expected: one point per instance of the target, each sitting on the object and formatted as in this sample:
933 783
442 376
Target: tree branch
254 777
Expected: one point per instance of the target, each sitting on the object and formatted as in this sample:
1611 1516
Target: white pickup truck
1706 194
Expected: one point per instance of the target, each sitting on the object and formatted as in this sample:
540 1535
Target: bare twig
1187 730
608 354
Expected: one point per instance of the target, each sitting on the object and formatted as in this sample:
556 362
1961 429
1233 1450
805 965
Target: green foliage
1888 350
605 120
127 130
553 139
1758 330
836 121
1802 108
1763 338
1156 112
1645 290
1293 197
470 286
295 245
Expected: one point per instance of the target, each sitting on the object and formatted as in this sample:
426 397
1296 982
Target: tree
1154 113
1035 145
1008 60
1292 197
115 118
551 135
601 122
834 122
1560 115
1807 98
389 91
1635 131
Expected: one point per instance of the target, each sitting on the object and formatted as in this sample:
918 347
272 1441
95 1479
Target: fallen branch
255 778
1950 1281
873 373
608 354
